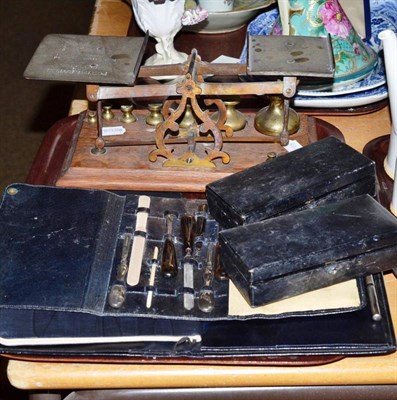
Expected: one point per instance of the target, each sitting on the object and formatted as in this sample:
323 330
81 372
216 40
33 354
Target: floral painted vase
354 60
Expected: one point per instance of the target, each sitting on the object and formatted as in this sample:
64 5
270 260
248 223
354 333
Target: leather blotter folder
59 255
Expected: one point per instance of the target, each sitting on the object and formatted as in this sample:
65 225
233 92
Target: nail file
206 301
152 276
188 297
138 245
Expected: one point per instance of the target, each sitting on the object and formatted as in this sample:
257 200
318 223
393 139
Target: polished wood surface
128 167
112 17
377 150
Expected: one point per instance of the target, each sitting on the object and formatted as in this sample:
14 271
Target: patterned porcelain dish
351 100
364 92
229 21
354 59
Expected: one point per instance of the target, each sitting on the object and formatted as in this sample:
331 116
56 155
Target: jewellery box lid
311 238
287 182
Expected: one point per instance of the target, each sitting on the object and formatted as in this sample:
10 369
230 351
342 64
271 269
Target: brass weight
270 119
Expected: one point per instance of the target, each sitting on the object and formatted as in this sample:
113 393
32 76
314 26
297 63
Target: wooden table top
112 17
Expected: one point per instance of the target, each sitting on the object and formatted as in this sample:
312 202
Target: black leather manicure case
60 251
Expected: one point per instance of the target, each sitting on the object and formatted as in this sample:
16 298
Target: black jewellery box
295 253
327 170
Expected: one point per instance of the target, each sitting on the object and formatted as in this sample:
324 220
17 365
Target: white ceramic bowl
229 21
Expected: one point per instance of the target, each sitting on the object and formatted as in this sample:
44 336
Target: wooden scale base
128 167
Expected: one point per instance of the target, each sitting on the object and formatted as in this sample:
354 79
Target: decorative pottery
162 20
222 22
217 5
354 60
389 40
366 91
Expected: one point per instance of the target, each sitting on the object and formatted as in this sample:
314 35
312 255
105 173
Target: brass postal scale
147 133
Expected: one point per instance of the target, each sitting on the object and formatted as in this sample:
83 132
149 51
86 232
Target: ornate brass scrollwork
189 89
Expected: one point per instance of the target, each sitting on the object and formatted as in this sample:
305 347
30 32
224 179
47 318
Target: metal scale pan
88 59
290 56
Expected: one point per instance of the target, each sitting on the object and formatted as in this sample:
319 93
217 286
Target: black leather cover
69 241
324 171
295 253
352 333
60 250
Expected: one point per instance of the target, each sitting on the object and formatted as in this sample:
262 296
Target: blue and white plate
375 79
367 91
358 99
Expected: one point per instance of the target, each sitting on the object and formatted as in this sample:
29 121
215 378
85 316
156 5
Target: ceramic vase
354 60
393 204
389 42
163 20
